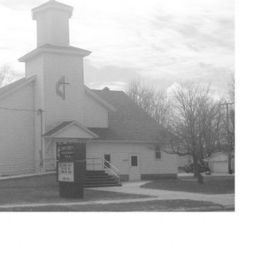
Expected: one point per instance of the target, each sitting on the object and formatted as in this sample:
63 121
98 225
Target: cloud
21 4
109 73
164 41
113 85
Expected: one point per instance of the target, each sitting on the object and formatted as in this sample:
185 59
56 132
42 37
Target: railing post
111 170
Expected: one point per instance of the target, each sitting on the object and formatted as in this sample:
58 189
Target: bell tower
52 23
59 92
57 65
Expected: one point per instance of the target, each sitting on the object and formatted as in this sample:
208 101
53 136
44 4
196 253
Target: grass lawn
212 185
45 189
151 206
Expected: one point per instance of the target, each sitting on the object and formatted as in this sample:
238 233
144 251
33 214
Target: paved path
226 200
134 188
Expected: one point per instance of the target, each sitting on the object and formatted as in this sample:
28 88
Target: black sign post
70 169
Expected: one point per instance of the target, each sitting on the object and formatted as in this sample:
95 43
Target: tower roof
48 48
51 5
52 20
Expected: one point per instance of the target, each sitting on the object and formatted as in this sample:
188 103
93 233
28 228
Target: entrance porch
99 172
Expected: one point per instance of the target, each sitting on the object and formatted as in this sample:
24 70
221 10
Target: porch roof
70 130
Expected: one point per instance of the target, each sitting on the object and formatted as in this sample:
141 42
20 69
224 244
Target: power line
19 109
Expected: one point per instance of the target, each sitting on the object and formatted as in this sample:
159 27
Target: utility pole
227 104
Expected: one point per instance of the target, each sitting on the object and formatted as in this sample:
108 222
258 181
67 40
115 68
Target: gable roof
65 125
10 88
98 99
58 128
128 122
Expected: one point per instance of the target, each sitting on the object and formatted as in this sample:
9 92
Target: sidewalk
134 188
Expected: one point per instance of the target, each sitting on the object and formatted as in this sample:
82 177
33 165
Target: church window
158 154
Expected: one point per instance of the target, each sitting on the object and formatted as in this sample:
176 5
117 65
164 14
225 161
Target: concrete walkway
134 188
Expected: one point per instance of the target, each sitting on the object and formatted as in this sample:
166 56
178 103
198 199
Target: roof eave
54 134
99 99
28 81
38 51
51 5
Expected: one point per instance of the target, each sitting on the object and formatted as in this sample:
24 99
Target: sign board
66 152
71 167
66 171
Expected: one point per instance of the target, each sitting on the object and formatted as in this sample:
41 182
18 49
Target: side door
134 165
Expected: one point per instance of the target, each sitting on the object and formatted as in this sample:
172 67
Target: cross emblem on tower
60 87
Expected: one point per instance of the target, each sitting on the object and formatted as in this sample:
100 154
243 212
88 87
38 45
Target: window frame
156 152
136 156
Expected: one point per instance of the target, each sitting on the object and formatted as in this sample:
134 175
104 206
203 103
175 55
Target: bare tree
7 75
153 101
195 122
194 119
231 90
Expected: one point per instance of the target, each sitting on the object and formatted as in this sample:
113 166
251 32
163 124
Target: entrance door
134 172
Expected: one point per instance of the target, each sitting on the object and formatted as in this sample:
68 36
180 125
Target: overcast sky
161 41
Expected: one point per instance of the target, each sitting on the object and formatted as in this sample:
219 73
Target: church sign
71 169
66 172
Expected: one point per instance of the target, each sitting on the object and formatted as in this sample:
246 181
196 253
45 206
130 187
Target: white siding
53 28
57 109
49 68
120 157
17 133
34 67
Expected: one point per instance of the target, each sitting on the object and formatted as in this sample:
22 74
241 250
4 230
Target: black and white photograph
137 115
120 108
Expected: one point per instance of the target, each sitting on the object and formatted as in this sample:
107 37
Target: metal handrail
112 169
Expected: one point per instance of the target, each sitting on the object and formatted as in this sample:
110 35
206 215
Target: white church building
51 104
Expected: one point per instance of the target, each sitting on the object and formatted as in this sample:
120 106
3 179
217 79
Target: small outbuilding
218 163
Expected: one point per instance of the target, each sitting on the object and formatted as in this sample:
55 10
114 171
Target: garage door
220 167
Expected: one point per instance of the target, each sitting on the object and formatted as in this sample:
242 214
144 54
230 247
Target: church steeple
52 23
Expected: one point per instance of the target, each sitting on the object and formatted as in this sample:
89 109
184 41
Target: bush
201 168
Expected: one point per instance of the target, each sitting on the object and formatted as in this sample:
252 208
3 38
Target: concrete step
98 176
99 179
101 185
95 172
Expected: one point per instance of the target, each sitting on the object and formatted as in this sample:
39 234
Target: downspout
42 148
